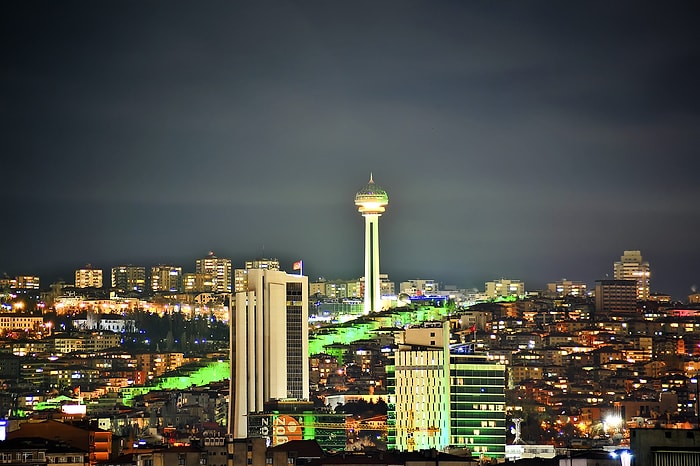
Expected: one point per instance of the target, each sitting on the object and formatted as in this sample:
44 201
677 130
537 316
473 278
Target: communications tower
371 202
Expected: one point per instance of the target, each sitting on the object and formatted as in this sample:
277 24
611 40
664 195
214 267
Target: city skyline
530 141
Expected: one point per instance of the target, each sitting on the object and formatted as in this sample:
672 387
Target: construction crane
412 429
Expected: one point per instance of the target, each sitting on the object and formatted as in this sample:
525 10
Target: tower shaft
372 282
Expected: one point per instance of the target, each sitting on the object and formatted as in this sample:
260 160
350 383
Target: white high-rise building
371 202
270 344
632 267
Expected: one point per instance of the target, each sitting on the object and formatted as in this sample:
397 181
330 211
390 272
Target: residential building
632 267
23 282
126 278
88 277
22 322
562 288
166 278
616 296
39 452
198 282
220 270
418 287
240 276
504 288
96 441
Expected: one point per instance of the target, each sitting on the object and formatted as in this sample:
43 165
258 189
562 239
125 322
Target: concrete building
197 282
503 288
564 287
418 287
270 353
21 322
420 399
371 202
445 397
128 278
96 441
220 270
665 447
240 276
632 267
166 278
616 296
88 277
22 282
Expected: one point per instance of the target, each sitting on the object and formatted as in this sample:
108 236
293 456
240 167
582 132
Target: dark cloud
523 139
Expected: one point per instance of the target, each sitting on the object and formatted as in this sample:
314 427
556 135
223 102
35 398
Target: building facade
564 287
240 276
504 288
418 287
166 278
445 397
220 270
88 277
271 344
126 278
632 267
616 296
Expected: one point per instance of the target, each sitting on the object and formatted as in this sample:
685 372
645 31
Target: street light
697 395
624 455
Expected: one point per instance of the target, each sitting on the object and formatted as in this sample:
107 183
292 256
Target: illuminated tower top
371 200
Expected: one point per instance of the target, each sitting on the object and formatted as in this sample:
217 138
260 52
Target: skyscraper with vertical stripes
269 344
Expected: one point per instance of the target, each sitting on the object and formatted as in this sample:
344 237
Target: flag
297 265
472 328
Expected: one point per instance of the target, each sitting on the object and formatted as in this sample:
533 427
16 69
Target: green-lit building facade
477 403
470 415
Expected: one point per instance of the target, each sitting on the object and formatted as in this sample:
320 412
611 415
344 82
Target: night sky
526 140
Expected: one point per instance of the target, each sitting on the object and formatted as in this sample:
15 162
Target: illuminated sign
284 429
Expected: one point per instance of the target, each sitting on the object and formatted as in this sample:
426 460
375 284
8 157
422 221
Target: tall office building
445 397
129 278
88 277
270 344
166 278
220 270
632 267
371 202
